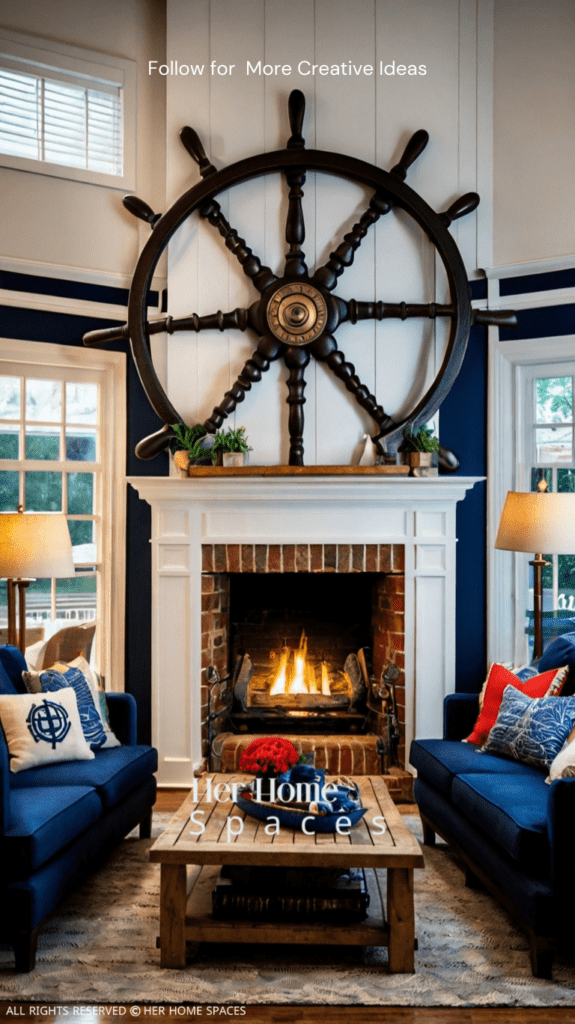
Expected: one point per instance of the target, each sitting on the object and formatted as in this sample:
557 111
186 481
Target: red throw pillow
547 684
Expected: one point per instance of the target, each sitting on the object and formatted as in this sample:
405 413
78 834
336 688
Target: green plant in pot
232 445
192 446
419 449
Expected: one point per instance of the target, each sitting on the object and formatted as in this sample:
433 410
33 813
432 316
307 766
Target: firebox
296 640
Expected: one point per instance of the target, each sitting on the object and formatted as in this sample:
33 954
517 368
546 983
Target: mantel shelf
215 471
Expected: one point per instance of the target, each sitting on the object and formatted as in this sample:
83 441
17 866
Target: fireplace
206 531
301 635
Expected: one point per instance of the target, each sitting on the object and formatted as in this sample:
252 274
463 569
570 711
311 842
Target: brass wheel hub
297 313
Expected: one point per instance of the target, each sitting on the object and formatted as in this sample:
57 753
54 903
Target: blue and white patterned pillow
531 730
51 680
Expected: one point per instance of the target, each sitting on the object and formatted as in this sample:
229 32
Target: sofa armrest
460 711
4 784
123 712
560 818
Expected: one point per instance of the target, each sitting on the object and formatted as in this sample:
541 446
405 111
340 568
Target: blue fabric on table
14 664
531 731
439 761
113 772
531 896
337 801
51 680
512 811
42 822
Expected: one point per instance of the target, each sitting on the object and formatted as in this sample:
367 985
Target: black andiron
297 313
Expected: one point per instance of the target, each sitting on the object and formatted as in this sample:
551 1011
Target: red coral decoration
270 755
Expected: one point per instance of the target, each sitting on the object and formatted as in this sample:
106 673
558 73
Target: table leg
173 898
401 920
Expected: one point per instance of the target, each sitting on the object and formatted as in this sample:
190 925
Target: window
66 112
532 438
62 449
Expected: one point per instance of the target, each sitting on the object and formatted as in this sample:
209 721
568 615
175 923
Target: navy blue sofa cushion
439 761
114 773
42 822
512 811
561 651
14 664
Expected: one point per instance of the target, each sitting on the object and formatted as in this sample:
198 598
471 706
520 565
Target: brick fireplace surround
387 561
203 529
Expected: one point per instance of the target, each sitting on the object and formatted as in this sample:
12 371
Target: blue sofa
512 831
60 821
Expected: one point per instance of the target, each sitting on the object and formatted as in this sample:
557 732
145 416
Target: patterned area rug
101 947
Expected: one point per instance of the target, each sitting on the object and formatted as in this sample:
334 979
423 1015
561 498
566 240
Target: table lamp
33 545
544 523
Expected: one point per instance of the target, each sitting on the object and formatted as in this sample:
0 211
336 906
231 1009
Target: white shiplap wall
368 117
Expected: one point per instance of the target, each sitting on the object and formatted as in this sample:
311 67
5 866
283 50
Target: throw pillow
561 651
531 730
14 664
563 767
498 677
98 695
42 729
51 680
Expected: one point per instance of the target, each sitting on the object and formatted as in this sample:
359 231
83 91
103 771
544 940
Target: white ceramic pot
233 459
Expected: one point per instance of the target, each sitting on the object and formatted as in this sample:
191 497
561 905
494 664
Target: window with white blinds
61 122
66 112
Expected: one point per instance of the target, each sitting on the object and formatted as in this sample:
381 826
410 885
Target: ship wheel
298 313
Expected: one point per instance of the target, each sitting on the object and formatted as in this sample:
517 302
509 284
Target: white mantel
186 513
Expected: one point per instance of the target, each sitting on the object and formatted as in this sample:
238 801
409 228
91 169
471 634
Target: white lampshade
35 544
542 523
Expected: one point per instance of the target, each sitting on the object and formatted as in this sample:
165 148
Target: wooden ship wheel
297 313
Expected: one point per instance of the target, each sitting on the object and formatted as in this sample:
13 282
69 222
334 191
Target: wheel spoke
296 360
295 225
219 321
355 311
343 256
261 275
326 350
268 349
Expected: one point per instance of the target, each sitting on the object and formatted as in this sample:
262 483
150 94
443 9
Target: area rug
100 947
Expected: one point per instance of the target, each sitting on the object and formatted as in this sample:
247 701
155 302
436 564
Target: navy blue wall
36 325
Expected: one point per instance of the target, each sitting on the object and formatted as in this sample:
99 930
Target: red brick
329 557
207 622
220 557
316 557
207 558
288 552
211 602
398 557
218 640
357 557
207 584
247 558
345 759
261 558
371 558
397 602
384 557
400 659
274 558
343 557
302 558
398 641
206 659
233 558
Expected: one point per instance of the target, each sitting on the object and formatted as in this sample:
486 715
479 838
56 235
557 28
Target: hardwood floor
170 800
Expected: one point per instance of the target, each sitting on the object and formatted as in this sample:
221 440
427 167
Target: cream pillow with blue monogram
531 729
50 681
42 729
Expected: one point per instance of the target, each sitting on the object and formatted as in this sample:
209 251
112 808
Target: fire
295 674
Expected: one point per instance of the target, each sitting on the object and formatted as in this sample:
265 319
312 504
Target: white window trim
110 371
506 574
43 54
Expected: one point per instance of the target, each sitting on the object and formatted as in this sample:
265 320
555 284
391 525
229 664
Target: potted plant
419 450
192 446
232 445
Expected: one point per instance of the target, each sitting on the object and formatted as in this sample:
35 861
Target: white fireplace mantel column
186 513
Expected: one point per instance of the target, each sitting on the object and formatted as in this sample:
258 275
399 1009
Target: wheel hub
297 313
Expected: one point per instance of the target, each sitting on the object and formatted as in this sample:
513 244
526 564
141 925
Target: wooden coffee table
185 897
